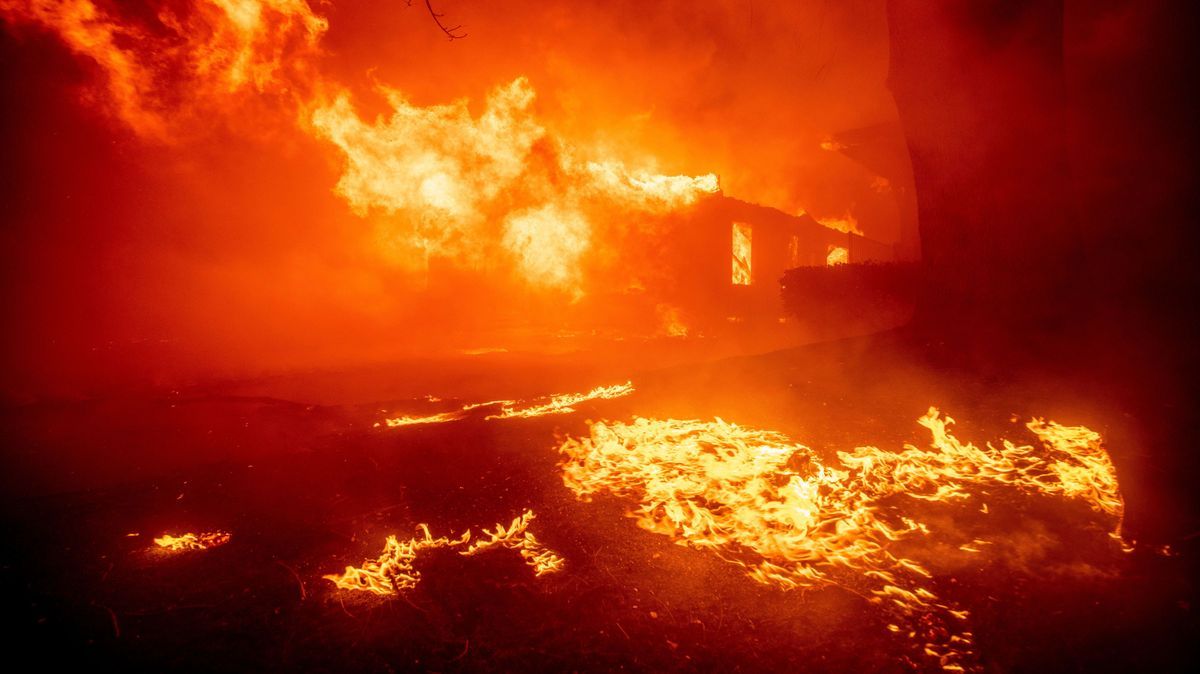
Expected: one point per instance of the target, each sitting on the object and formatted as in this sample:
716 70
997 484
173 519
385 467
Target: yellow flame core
393 571
791 520
192 541
837 255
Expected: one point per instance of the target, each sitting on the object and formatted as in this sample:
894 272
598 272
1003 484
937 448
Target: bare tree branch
452 32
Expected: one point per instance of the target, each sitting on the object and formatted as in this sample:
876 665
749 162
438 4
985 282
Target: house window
794 251
741 254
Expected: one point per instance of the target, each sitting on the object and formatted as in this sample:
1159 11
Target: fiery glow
184 59
517 537
847 224
562 403
792 520
837 255
741 254
393 571
446 179
191 541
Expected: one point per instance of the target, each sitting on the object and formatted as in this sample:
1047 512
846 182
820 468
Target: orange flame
393 571
791 520
191 541
847 224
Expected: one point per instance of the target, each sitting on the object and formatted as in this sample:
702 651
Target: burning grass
558 403
393 572
794 520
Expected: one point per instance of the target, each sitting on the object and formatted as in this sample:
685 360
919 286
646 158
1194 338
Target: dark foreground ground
307 486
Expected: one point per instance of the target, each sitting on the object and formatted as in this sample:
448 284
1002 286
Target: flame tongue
192 541
394 571
791 520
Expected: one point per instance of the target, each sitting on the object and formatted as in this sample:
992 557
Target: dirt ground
297 471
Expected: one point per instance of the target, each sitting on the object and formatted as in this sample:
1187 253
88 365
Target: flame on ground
192 541
393 571
517 537
440 418
741 255
560 403
792 520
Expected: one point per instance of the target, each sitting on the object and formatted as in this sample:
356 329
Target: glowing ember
517 537
563 403
837 255
393 571
741 254
201 541
792 520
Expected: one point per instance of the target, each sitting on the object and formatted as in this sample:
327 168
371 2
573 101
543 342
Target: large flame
792 520
394 572
460 186
185 60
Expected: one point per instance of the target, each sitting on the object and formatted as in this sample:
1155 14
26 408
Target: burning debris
191 541
558 403
393 572
793 520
